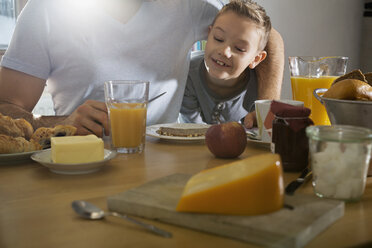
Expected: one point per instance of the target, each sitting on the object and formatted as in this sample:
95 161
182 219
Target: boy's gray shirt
201 105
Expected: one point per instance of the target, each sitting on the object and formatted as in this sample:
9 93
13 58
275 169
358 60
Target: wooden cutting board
284 228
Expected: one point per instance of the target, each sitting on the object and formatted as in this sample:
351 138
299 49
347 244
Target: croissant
42 135
10 144
15 127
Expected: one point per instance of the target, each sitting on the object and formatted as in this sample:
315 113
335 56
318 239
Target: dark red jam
291 145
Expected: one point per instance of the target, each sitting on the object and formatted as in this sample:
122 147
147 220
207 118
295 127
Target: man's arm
269 73
20 92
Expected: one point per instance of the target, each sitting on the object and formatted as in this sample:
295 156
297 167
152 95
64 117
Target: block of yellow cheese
249 186
77 149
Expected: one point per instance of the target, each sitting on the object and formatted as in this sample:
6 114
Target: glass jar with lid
289 138
290 142
339 158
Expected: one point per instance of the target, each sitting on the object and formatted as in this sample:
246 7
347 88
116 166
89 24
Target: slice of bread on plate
182 132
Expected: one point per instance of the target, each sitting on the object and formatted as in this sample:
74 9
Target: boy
222 86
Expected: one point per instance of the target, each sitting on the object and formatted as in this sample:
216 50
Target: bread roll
10 144
356 74
350 89
368 77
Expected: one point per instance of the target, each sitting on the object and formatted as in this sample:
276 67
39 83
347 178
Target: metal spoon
252 135
156 97
89 211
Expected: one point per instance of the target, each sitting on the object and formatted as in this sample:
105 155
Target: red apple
226 140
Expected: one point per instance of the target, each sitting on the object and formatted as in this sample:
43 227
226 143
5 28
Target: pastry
26 127
350 89
17 135
10 144
42 135
15 127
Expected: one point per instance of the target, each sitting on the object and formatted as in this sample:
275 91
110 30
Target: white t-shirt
77 47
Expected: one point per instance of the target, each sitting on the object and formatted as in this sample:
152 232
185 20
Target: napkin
297 117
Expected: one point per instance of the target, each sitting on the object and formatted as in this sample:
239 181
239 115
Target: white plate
151 130
251 138
45 158
12 158
258 141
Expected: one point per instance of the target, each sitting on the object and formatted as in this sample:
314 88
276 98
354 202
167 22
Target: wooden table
35 204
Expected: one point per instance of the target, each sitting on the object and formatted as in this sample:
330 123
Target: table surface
35 207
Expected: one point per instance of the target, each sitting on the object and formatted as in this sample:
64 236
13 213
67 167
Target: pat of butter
77 149
246 187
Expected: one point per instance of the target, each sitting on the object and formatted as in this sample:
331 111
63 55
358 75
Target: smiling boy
222 84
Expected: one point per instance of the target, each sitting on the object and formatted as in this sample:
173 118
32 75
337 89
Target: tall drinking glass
309 73
126 102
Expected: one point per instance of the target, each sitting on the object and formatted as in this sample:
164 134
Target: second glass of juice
309 73
127 107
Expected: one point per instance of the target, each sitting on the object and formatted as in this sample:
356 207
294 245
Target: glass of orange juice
126 102
309 73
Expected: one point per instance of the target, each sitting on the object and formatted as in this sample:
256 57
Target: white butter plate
151 130
45 158
13 158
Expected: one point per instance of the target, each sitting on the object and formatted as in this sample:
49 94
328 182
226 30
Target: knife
294 185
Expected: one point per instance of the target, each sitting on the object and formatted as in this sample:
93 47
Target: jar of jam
289 138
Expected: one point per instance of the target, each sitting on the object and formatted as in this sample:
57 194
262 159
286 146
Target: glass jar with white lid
339 158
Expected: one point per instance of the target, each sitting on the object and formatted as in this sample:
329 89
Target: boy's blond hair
254 12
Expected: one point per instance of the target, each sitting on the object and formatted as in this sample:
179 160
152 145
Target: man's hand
250 120
89 118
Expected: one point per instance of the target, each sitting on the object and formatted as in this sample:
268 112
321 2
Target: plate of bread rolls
18 139
349 99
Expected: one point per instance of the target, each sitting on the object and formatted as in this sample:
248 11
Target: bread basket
346 112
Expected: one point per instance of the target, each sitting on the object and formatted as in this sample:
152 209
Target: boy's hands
90 118
250 120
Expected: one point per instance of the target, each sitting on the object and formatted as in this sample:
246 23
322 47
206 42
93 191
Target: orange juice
302 90
128 123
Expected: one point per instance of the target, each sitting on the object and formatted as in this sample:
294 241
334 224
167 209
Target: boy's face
232 46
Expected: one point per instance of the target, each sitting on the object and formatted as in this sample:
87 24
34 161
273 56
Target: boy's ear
258 59
209 29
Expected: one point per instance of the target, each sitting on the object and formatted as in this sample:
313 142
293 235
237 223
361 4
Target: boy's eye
240 49
218 39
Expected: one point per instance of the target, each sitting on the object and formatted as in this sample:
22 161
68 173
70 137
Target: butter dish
45 158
